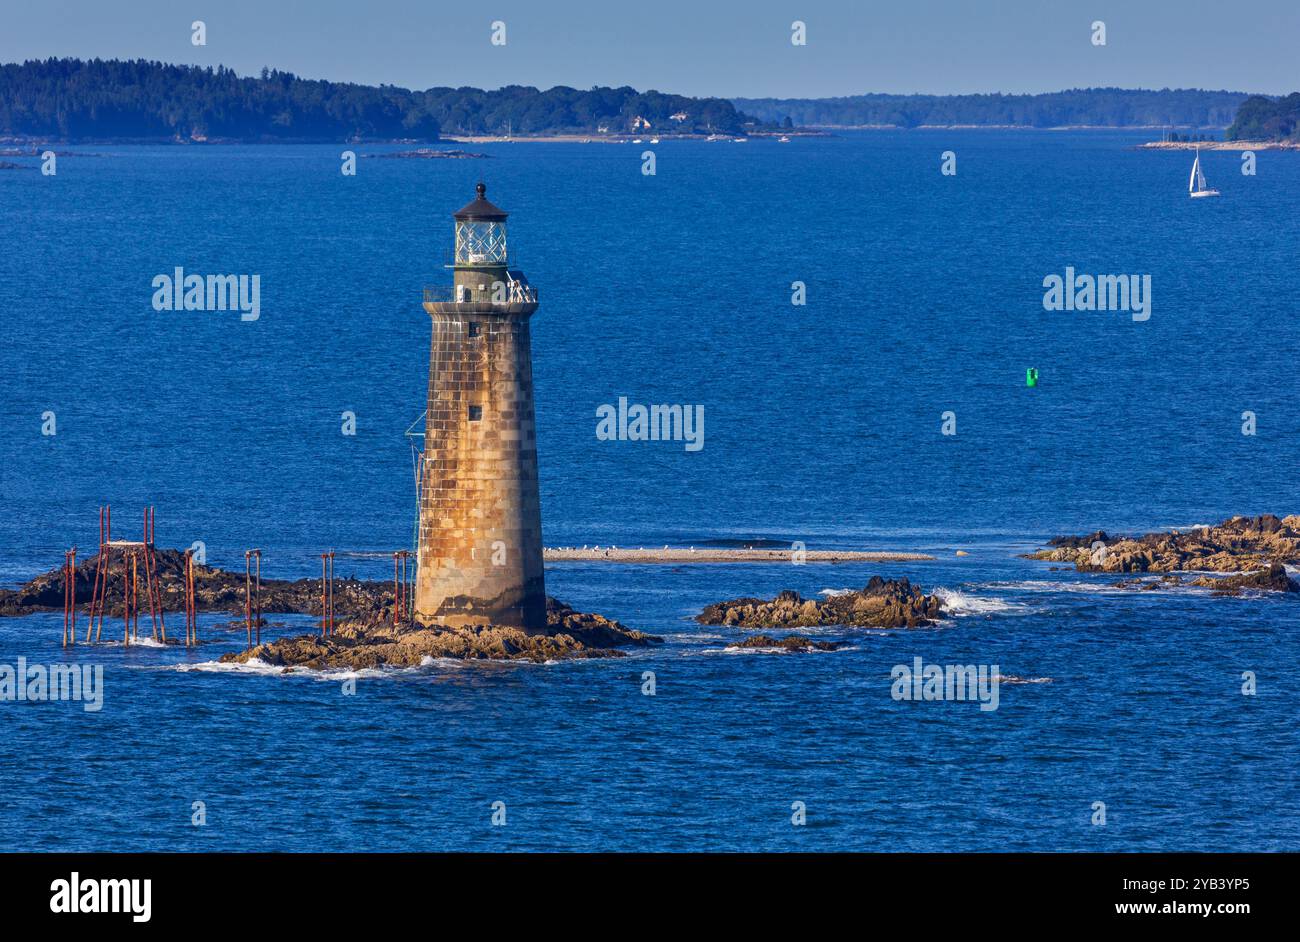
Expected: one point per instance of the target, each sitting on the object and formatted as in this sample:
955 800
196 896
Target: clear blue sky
731 48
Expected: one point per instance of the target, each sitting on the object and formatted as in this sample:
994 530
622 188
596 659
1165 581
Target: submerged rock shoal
1237 545
788 643
378 643
882 603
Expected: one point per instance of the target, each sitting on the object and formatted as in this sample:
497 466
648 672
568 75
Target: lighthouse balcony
509 297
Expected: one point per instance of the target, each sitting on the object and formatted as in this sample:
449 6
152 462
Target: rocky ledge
1238 545
883 603
376 642
1272 579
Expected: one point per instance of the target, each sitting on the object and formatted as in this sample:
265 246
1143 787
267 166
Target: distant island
1079 107
1267 119
139 100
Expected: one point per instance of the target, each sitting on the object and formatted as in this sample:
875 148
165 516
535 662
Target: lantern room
480 233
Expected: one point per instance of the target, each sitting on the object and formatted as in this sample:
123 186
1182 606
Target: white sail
1196 185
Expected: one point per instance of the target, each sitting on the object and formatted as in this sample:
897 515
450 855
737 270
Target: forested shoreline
140 100
1080 107
75 100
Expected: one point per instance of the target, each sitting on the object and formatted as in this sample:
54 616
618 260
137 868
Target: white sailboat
1196 185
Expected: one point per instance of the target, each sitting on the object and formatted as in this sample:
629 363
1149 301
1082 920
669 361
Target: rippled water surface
822 425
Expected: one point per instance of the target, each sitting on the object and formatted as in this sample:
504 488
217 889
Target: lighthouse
480 531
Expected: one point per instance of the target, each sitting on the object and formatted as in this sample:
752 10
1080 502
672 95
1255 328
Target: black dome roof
480 208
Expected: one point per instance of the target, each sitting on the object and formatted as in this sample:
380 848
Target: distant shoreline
27 142
816 131
627 138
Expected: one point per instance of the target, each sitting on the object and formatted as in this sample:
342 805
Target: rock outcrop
376 642
1272 579
892 603
1238 545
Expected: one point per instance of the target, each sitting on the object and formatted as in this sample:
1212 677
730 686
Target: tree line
1091 107
72 99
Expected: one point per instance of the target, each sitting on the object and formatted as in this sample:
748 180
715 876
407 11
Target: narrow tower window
473 328
475 413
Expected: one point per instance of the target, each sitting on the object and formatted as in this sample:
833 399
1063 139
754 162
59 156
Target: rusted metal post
96 591
401 586
153 584
107 554
154 589
191 607
257 595
194 602
70 597
329 595
408 594
185 588
126 602
248 597
323 606
135 595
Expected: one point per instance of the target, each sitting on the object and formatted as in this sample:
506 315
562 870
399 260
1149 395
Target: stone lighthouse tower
480 546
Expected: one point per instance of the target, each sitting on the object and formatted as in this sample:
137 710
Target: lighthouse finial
481 190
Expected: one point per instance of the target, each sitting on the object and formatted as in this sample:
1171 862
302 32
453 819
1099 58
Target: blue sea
822 426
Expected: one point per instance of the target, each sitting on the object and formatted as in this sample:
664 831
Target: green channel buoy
1031 376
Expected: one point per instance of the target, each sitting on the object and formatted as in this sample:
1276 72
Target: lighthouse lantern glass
480 242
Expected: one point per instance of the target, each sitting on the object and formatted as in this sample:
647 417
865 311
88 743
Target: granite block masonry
480 532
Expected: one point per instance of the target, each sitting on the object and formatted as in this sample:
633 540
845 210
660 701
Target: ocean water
822 425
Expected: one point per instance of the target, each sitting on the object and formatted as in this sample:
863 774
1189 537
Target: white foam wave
736 649
259 667
1139 584
1013 679
1033 585
962 604
251 666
